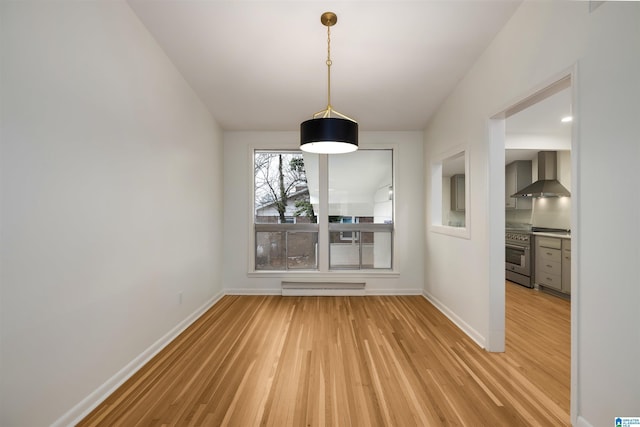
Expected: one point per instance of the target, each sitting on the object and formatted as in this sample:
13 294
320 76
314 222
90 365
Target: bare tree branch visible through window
277 176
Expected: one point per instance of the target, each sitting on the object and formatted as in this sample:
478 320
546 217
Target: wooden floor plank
351 361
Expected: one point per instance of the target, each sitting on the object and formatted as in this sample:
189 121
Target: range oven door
517 259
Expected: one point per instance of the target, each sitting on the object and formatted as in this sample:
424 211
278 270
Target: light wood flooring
351 361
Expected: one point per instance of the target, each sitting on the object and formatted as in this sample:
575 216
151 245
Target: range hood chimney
547 184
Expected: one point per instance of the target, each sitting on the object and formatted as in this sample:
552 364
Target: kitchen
537 199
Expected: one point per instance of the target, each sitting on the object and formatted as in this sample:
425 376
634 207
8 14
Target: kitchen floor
538 341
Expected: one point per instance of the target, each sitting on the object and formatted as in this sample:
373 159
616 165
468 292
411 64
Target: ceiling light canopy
325 134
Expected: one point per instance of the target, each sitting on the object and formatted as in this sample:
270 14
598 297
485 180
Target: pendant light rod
329 24
329 19
324 134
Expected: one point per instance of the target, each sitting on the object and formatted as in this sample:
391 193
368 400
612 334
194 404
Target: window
450 194
286 230
361 196
357 211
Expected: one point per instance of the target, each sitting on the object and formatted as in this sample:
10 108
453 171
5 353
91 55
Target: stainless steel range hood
547 184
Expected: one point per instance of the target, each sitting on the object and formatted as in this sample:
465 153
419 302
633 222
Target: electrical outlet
180 297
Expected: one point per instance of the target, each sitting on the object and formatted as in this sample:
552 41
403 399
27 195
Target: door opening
538 123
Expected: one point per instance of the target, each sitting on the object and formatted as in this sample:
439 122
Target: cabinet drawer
551 280
549 242
546 254
550 267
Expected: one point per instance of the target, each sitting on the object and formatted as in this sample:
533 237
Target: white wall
409 215
111 185
466 277
608 326
541 40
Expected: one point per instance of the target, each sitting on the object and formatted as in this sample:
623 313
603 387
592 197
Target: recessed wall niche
450 194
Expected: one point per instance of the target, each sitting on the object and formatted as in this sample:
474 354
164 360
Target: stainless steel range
519 257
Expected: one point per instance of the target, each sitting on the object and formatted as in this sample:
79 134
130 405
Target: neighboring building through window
349 235
286 233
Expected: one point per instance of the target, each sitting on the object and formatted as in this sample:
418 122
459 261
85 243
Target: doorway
517 134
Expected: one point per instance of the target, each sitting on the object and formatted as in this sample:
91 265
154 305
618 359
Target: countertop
557 235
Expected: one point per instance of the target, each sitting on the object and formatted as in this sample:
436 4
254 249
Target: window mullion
323 209
286 250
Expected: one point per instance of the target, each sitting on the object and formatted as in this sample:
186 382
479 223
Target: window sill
461 232
333 275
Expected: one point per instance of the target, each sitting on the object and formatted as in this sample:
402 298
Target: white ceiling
260 65
541 118
539 127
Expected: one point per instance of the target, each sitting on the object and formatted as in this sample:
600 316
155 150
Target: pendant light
325 134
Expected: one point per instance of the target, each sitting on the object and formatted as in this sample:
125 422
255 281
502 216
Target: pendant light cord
329 62
329 110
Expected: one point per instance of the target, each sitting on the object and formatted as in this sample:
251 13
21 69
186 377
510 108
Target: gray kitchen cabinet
566 266
457 193
517 176
549 262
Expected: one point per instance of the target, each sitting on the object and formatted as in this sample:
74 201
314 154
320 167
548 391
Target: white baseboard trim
277 291
581 422
252 291
464 326
392 292
89 403
350 292
322 288
322 292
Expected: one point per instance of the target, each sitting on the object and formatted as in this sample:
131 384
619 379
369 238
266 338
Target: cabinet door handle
548 266
549 253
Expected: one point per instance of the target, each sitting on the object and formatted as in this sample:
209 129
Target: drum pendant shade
329 135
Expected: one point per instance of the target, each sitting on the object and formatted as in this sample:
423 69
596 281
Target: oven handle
516 247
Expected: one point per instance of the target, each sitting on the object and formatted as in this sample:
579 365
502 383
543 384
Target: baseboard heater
322 288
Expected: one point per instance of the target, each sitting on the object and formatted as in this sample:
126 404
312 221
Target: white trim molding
451 315
323 288
95 398
581 422
100 394
253 291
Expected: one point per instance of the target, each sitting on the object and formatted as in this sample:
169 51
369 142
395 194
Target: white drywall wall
608 326
542 42
111 192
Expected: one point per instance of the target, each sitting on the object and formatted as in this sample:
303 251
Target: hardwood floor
351 361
